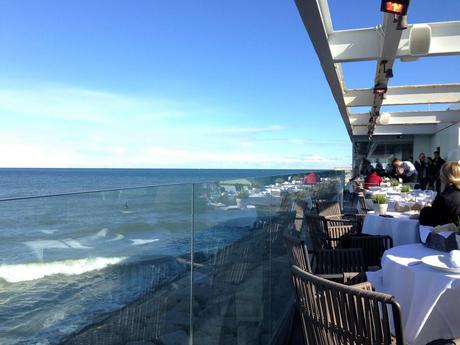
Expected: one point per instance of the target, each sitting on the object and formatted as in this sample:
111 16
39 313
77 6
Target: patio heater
398 7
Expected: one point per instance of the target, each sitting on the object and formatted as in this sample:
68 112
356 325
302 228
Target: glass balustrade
197 263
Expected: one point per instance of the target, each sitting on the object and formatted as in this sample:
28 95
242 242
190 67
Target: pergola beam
410 117
366 44
406 95
398 130
316 19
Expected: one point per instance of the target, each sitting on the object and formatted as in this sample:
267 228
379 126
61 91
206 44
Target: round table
429 298
400 228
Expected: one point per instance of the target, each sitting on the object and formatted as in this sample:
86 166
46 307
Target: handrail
151 186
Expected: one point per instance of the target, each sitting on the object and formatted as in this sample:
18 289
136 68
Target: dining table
429 296
399 226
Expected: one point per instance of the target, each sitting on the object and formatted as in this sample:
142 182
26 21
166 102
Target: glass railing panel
230 281
115 267
97 268
298 197
242 291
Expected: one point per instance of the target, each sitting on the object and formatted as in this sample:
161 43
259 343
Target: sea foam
25 272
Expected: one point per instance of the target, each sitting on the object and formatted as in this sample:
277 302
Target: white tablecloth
401 228
429 298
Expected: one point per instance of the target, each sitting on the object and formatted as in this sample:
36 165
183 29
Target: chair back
317 230
335 230
328 208
365 205
333 313
373 248
297 251
329 261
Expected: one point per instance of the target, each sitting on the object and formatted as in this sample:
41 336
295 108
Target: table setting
396 211
425 280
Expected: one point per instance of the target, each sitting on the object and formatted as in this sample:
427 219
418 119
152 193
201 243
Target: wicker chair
341 265
331 209
317 229
325 232
333 313
372 246
364 204
335 229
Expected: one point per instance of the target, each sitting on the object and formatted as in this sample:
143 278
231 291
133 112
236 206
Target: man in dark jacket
438 162
422 168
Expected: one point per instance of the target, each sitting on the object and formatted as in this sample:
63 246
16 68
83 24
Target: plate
440 262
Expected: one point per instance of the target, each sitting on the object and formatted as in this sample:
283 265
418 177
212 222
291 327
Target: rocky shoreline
239 293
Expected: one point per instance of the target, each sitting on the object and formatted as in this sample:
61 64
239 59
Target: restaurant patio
378 274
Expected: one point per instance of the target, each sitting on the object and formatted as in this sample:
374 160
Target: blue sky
186 84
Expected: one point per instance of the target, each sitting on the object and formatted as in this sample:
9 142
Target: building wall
449 142
423 143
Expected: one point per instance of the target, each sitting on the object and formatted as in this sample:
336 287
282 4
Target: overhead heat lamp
398 7
380 89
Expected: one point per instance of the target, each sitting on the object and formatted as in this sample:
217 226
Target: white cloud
296 141
119 150
273 128
164 156
73 104
59 126
246 143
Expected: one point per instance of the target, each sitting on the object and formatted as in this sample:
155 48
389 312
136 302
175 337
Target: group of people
428 170
425 171
429 173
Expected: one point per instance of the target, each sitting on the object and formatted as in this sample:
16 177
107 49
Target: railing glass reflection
194 263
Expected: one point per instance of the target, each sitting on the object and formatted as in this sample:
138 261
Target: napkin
455 258
424 232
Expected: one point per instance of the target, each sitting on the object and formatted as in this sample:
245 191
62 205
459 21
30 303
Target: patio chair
341 265
332 209
365 205
372 246
326 233
336 229
333 313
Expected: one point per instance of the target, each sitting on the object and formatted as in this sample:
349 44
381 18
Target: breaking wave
31 271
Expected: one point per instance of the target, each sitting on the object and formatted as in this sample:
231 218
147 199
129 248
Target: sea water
69 261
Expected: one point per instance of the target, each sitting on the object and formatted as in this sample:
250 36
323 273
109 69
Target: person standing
431 173
438 162
422 169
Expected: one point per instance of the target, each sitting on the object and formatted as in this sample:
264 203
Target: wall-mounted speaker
420 39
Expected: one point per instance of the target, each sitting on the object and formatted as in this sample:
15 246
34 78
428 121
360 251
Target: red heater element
380 89
396 6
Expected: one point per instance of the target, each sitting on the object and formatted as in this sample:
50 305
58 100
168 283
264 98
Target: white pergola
384 44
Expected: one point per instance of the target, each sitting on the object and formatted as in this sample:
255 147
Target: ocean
68 261
19 182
